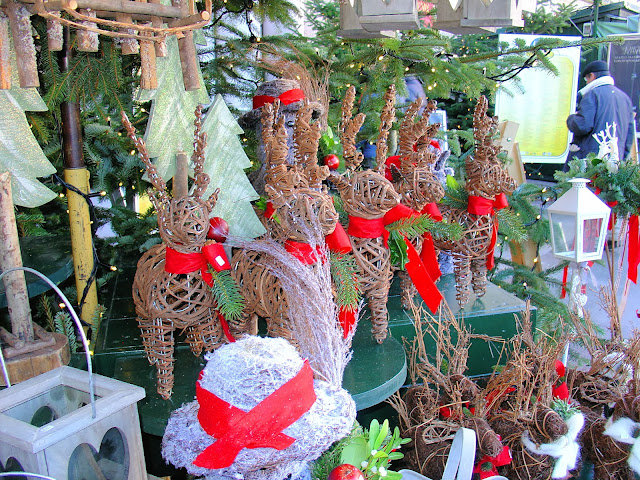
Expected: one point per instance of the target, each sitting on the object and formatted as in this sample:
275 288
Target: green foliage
564 408
64 324
96 320
621 185
227 294
526 201
372 451
344 272
137 232
456 195
511 225
30 223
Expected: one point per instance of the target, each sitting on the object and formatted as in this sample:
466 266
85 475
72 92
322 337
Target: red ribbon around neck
211 254
260 427
485 206
338 240
374 228
286 98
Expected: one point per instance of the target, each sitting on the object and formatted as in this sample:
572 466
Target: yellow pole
81 243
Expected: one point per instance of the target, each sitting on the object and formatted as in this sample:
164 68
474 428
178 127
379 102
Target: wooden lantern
379 15
478 16
50 425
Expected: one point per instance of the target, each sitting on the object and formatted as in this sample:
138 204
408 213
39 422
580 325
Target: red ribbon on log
286 98
487 466
347 319
260 427
485 206
634 249
304 252
428 253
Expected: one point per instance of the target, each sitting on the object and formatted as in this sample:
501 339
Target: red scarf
485 206
260 427
286 98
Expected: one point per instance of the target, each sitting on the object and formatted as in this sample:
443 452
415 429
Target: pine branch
412 227
511 226
344 272
64 324
227 294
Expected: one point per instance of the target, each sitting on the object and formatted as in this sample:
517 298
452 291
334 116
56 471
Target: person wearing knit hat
600 103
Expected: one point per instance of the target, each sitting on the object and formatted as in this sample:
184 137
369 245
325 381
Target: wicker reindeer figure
367 195
168 301
301 203
487 182
414 180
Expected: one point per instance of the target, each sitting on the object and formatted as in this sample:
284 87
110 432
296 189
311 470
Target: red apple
332 161
346 472
218 229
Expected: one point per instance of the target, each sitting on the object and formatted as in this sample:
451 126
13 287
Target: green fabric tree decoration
225 162
170 126
20 152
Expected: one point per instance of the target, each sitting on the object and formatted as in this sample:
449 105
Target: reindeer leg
211 333
408 289
462 271
379 315
164 348
147 332
194 339
479 274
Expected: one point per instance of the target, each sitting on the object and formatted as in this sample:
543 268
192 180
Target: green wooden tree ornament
20 152
225 162
170 126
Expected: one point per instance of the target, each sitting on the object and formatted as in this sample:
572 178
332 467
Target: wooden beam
121 6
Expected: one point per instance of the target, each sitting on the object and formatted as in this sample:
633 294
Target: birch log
23 44
5 53
15 285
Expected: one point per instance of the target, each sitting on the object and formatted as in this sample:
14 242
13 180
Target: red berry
218 229
332 161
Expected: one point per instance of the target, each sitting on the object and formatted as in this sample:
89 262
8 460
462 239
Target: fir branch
511 226
227 294
64 324
412 227
344 272
45 302
456 196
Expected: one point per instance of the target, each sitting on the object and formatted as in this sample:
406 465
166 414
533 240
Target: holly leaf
355 452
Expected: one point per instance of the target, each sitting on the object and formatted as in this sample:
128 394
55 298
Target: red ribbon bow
487 466
211 254
260 427
485 206
286 98
375 227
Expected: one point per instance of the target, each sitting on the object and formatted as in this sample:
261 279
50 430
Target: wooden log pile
141 27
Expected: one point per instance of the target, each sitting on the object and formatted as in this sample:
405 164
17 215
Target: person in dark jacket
600 102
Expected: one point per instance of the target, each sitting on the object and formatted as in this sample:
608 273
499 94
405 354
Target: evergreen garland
64 324
344 273
227 294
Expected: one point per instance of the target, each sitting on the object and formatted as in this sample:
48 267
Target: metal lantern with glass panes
578 222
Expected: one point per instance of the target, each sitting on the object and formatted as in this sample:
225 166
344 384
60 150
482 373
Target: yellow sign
541 104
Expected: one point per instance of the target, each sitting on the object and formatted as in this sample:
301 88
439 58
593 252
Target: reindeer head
415 180
296 191
365 193
486 176
183 222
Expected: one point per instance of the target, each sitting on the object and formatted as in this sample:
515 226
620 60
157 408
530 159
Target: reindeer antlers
155 179
387 116
349 128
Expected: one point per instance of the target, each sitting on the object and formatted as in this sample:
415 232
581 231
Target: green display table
374 373
51 256
493 314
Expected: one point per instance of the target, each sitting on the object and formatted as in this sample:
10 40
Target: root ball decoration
259 414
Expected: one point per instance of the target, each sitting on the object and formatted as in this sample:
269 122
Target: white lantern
578 221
